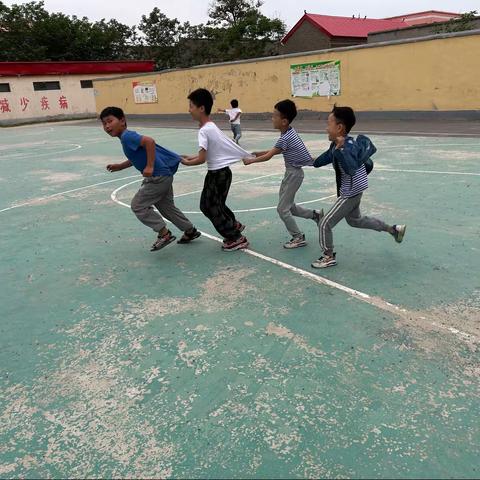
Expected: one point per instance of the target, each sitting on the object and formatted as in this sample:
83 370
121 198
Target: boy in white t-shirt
219 152
234 114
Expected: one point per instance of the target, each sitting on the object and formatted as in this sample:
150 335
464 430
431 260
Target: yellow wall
440 74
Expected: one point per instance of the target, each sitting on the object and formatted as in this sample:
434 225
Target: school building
44 91
317 32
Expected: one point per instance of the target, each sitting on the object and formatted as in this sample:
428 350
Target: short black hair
116 112
202 98
345 116
234 103
287 109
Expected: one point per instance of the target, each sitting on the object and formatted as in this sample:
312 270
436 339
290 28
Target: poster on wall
318 79
145 92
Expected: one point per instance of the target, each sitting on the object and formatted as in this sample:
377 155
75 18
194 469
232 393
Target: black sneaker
162 241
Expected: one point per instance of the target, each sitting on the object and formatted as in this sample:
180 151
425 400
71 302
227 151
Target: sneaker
239 244
296 242
318 215
399 232
162 241
239 226
325 261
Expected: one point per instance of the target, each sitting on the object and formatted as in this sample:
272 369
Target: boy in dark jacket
351 162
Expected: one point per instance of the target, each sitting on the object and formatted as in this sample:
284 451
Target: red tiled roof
416 14
346 26
75 68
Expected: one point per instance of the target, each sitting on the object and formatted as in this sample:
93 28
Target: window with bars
46 85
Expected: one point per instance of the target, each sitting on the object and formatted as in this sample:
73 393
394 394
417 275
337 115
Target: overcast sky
195 11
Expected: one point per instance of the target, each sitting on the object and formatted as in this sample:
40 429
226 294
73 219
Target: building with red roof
318 32
42 91
424 18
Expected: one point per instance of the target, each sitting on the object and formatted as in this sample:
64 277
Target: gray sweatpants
286 207
158 192
349 209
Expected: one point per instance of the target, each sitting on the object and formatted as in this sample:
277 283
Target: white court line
304 273
415 147
113 195
376 302
233 183
388 169
53 153
36 132
41 199
419 134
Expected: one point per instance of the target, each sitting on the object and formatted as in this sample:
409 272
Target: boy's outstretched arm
148 144
324 159
116 167
196 160
262 156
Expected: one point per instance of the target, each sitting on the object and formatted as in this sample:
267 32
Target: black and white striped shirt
352 185
294 151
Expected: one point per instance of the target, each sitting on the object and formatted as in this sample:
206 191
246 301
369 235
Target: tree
28 32
229 13
236 30
160 36
16 40
465 22
243 31
159 30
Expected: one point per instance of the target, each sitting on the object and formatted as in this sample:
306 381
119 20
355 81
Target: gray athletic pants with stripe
349 209
286 207
158 192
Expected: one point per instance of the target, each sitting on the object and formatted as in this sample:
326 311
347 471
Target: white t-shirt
221 151
232 113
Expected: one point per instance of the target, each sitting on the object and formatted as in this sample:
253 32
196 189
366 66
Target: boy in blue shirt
351 161
296 157
158 166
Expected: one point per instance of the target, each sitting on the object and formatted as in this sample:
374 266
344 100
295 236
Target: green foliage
236 30
28 32
465 22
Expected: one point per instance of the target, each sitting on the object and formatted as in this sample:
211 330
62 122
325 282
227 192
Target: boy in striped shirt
296 156
351 161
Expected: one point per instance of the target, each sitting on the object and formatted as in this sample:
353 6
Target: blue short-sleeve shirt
166 161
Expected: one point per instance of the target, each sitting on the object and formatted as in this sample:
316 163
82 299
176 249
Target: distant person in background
234 114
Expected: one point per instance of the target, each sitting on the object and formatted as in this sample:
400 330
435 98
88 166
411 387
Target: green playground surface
193 362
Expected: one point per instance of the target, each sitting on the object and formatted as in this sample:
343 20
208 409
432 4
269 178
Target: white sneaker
325 261
399 232
296 242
